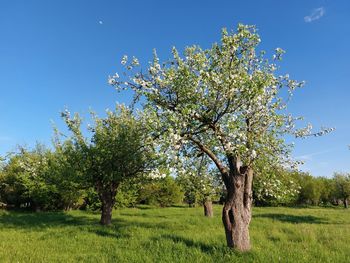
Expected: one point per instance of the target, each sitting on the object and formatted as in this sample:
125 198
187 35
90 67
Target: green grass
174 235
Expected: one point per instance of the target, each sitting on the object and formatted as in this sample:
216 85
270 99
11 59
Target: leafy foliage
116 150
128 194
199 182
40 179
161 192
342 185
275 186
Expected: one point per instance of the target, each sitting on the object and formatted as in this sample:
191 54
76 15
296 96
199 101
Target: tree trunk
107 197
106 213
208 208
346 204
236 213
68 206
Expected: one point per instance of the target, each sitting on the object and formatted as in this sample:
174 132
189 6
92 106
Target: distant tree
311 189
12 189
328 193
66 174
225 102
199 185
275 186
128 194
117 151
26 181
38 179
342 187
161 192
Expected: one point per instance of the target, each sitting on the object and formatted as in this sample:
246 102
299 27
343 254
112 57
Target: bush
161 192
127 195
92 201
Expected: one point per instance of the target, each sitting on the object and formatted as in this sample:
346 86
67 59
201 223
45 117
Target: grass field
174 235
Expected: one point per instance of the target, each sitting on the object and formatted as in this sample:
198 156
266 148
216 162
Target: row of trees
293 188
39 180
42 179
219 111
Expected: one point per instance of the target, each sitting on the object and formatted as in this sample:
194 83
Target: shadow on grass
210 249
188 242
143 215
42 220
110 233
296 219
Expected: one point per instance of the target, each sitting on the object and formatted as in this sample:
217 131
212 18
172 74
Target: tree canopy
227 102
117 150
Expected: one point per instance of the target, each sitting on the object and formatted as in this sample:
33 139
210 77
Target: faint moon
100 22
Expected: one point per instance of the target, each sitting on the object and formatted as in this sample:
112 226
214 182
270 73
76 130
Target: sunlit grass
174 234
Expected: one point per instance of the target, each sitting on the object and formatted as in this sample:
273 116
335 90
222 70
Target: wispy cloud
316 14
310 156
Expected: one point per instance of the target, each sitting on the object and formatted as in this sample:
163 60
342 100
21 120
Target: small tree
199 185
342 187
225 102
117 151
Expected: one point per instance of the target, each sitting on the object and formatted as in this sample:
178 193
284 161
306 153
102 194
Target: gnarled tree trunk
346 203
208 208
236 213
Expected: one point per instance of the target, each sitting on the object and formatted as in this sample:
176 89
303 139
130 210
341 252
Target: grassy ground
174 235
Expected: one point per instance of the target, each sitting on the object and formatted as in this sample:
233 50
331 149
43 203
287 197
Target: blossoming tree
227 103
116 151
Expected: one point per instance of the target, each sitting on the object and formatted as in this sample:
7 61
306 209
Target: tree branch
223 170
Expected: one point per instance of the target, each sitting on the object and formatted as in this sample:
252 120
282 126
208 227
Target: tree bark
107 197
346 204
236 213
208 208
106 213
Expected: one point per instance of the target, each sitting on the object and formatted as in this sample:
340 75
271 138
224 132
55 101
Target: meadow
175 234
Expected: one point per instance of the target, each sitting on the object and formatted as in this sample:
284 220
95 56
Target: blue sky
59 53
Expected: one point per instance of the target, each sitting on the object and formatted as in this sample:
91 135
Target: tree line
42 179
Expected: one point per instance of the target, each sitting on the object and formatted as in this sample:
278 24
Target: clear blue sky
59 53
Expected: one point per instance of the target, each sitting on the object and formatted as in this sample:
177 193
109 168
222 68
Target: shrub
161 192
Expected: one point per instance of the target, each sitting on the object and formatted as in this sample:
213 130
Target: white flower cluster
112 80
271 188
307 132
155 174
124 60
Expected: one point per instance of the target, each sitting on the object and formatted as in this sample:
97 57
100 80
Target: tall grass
176 234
